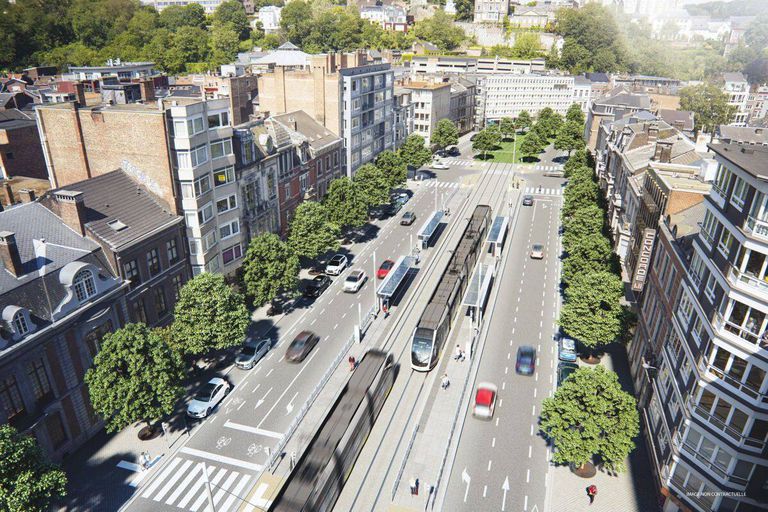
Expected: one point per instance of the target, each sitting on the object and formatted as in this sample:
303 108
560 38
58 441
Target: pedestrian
592 492
352 363
458 355
144 461
293 460
444 382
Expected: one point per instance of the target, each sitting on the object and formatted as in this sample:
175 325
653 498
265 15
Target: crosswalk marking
544 191
459 162
203 497
177 474
235 494
224 487
441 184
184 483
162 476
195 488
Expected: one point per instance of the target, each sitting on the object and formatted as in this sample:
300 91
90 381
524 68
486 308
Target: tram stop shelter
477 290
497 234
391 284
428 229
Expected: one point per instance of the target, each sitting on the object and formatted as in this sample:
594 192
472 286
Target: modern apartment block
506 95
345 94
736 86
432 64
700 353
403 108
431 102
491 11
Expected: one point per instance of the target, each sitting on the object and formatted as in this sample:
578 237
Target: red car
384 269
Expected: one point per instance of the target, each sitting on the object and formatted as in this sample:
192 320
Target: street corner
262 493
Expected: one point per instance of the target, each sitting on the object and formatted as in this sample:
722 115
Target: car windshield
387 265
525 357
335 260
353 277
248 350
205 392
484 397
538 247
318 281
299 342
569 344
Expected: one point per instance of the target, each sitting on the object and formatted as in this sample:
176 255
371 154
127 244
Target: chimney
71 209
9 253
80 94
27 195
663 152
8 193
653 132
147 88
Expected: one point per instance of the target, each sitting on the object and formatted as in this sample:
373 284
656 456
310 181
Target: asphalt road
234 440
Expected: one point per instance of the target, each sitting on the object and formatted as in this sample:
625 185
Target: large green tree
269 268
232 11
311 232
440 30
174 17
414 152
591 416
532 145
580 193
507 128
372 185
136 376
570 136
586 256
709 106
445 134
582 222
592 40
296 21
393 168
548 122
209 315
575 115
527 46
592 312
28 482
224 43
345 204
486 140
524 120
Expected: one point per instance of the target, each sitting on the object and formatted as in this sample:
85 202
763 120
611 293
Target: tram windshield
421 350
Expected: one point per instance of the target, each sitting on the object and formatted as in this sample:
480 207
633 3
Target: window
710 288
131 273
187 191
172 250
195 125
223 176
722 180
194 247
139 312
708 228
696 270
726 242
160 305
202 185
10 399
739 196
205 213
221 148
94 337
226 204
287 190
303 183
56 433
232 253
177 284
84 285
229 229
212 266
153 262
20 323
199 155
218 119
38 377
209 240
684 309
193 157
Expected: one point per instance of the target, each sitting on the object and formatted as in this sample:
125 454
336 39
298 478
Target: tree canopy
445 134
524 120
345 204
372 185
136 376
414 151
486 140
393 167
507 127
709 106
575 115
532 145
592 312
592 40
311 231
269 268
440 30
570 136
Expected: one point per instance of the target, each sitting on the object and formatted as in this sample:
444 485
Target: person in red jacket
592 492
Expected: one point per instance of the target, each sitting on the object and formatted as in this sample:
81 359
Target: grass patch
508 152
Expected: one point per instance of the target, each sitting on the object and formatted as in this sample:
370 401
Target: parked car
453 151
537 251
252 352
567 349
407 219
526 360
301 346
207 398
485 400
354 281
394 207
422 175
317 286
336 265
438 164
527 200
384 269
564 370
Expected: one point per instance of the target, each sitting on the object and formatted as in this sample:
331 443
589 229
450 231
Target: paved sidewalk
631 491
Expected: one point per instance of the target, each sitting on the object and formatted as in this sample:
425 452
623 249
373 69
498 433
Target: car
567 349
564 370
384 269
527 200
437 164
252 352
301 346
393 208
317 286
402 198
526 360
407 219
354 281
336 265
207 398
537 251
453 151
556 173
422 175
485 401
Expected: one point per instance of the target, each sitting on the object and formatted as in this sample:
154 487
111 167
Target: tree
532 145
583 222
136 376
445 134
486 140
578 194
440 30
311 232
587 256
574 114
269 268
570 137
414 151
524 120
756 35
372 185
576 160
527 45
592 40
548 122
174 17
224 43
296 21
209 315
464 10
507 128
345 205
591 416
28 482
393 168
232 11
592 312
709 106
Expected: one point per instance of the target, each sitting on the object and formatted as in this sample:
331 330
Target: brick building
20 150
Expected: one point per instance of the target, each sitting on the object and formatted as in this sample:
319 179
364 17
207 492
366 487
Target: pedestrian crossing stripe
543 191
458 162
549 168
442 184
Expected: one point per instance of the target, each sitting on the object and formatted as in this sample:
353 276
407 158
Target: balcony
731 330
746 389
756 227
748 282
717 423
713 468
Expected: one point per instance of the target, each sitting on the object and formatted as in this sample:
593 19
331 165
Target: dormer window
84 285
20 324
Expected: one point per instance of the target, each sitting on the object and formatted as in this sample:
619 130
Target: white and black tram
434 326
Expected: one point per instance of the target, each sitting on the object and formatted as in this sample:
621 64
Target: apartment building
736 86
616 104
350 97
403 109
431 103
463 92
58 298
582 92
20 151
468 65
700 355
269 17
388 17
491 11
506 95
114 68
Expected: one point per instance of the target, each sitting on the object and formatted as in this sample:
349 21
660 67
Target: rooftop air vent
117 225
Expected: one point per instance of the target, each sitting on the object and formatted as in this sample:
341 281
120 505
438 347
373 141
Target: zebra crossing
441 184
458 162
543 191
546 168
181 483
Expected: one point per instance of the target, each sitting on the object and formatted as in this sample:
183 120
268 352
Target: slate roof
116 198
748 134
598 77
670 116
14 118
315 133
734 77
750 158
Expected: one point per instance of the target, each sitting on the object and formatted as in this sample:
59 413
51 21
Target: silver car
354 281
207 398
251 353
537 251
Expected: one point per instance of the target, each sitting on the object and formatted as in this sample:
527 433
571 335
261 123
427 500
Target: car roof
541 246
355 272
338 257
484 396
216 380
387 261
304 335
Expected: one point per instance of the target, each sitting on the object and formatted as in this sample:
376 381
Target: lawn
506 152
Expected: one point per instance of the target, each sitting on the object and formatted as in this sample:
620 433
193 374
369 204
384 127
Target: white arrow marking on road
505 488
261 401
466 479
535 509
289 407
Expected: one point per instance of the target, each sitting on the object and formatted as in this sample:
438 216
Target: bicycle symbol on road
234 403
254 449
222 442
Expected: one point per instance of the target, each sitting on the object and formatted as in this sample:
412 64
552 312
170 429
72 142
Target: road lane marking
253 430
506 369
533 411
525 504
493 443
531 429
530 451
534 392
289 407
485 490
504 385
170 483
313 321
490 462
528 476
241 405
497 422
221 458
270 371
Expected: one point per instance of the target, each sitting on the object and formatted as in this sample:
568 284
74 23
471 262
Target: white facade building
389 17
507 95
269 17
492 11
209 5
431 103
737 89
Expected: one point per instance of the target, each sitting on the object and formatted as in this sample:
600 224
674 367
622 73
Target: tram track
406 399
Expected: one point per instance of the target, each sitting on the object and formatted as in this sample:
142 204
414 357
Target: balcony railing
757 227
741 332
737 277
713 467
742 440
706 502
740 386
